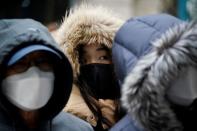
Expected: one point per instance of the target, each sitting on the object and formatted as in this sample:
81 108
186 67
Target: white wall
129 8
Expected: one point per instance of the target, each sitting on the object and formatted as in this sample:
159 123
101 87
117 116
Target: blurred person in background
10 9
192 9
86 36
141 65
48 12
35 80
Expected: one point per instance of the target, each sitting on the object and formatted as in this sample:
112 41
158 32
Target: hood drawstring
50 125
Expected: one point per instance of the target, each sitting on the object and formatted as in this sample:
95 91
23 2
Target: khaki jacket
77 106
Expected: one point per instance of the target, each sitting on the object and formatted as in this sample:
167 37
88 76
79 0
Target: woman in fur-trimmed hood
86 25
86 36
160 91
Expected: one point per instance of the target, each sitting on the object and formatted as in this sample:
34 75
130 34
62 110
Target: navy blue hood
133 40
139 51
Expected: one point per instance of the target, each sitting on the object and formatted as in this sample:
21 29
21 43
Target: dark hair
44 11
88 95
10 9
91 103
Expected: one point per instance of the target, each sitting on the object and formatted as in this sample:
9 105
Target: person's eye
104 58
42 60
19 67
44 64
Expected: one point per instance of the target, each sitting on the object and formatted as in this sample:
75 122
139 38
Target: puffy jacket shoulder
134 39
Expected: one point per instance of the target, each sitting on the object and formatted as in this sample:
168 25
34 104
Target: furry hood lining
86 24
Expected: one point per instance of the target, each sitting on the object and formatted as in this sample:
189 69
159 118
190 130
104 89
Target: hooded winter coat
85 25
146 60
16 34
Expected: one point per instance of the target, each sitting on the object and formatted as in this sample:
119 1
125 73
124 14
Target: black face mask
100 80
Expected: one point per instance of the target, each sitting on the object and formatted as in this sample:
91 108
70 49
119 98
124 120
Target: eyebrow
102 48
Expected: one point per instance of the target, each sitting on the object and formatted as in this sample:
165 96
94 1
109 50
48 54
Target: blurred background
51 12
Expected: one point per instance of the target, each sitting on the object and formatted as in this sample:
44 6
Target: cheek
105 61
108 62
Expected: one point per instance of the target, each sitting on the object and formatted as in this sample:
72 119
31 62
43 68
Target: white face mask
184 90
30 90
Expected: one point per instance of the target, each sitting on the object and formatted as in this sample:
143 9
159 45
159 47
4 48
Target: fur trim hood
86 24
144 88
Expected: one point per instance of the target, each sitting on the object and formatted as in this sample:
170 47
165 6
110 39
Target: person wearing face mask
35 80
86 36
158 73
